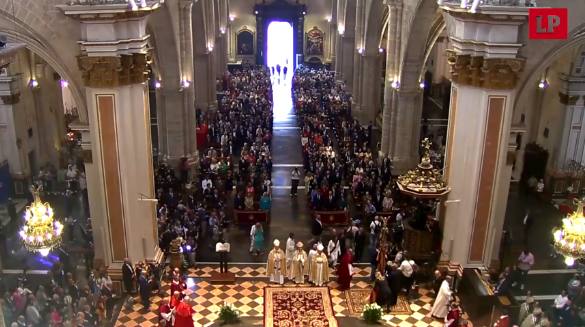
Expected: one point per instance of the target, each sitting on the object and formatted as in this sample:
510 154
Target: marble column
477 165
117 143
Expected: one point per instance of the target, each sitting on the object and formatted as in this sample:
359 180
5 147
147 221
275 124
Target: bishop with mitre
276 265
319 267
299 265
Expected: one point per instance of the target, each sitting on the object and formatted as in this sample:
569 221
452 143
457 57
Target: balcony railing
112 2
473 5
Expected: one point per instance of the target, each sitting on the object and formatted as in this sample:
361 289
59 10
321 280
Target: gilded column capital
10 99
104 72
489 73
569 100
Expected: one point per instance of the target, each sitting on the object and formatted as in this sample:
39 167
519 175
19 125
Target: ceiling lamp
424 181
40 233
569 240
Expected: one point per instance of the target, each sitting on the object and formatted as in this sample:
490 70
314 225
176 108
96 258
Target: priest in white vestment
276 265
289 252
320 267
441 305
299 264
312 253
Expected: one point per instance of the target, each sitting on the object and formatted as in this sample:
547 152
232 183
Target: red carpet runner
298 306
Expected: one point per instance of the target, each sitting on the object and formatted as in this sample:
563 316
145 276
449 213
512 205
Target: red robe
163 309
176 287
343 273
184 316
454 314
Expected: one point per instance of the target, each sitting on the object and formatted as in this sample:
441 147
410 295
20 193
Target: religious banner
245 42
314 42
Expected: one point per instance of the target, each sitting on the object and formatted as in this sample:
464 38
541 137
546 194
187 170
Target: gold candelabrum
41 231
569 239
424 180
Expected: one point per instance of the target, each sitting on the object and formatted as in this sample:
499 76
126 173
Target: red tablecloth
244 217
333 217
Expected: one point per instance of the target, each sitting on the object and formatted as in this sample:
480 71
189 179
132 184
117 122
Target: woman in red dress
344 272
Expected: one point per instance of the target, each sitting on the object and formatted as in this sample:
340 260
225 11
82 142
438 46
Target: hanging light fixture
41 232
569 240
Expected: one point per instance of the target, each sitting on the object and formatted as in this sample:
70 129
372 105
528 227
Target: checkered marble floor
247 296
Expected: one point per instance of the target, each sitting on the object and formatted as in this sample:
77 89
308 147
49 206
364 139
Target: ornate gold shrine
424 181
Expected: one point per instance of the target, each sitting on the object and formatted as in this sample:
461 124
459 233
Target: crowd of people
337 149
242 125
62 301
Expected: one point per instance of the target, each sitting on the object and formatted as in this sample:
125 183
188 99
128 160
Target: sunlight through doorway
280 62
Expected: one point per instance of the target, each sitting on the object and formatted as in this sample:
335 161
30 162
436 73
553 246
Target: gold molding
106 72
10 99
489 73
569 100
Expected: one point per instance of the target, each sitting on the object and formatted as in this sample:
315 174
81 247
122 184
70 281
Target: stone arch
166 56
421 39
376 20
535 67
33 26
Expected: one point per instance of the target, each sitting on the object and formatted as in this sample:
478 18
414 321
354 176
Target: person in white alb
289 252
252 234
334 250
440 306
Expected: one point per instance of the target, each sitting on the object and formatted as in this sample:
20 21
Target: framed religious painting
314 42
245 42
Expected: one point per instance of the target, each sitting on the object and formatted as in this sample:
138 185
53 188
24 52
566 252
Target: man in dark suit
437 281
317 228
504 282
393 276
144 290
128 276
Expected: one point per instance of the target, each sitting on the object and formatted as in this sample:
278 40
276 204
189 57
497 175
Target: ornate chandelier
424 181
569 240
41 232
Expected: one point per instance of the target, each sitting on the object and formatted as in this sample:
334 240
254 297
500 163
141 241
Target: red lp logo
548 23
